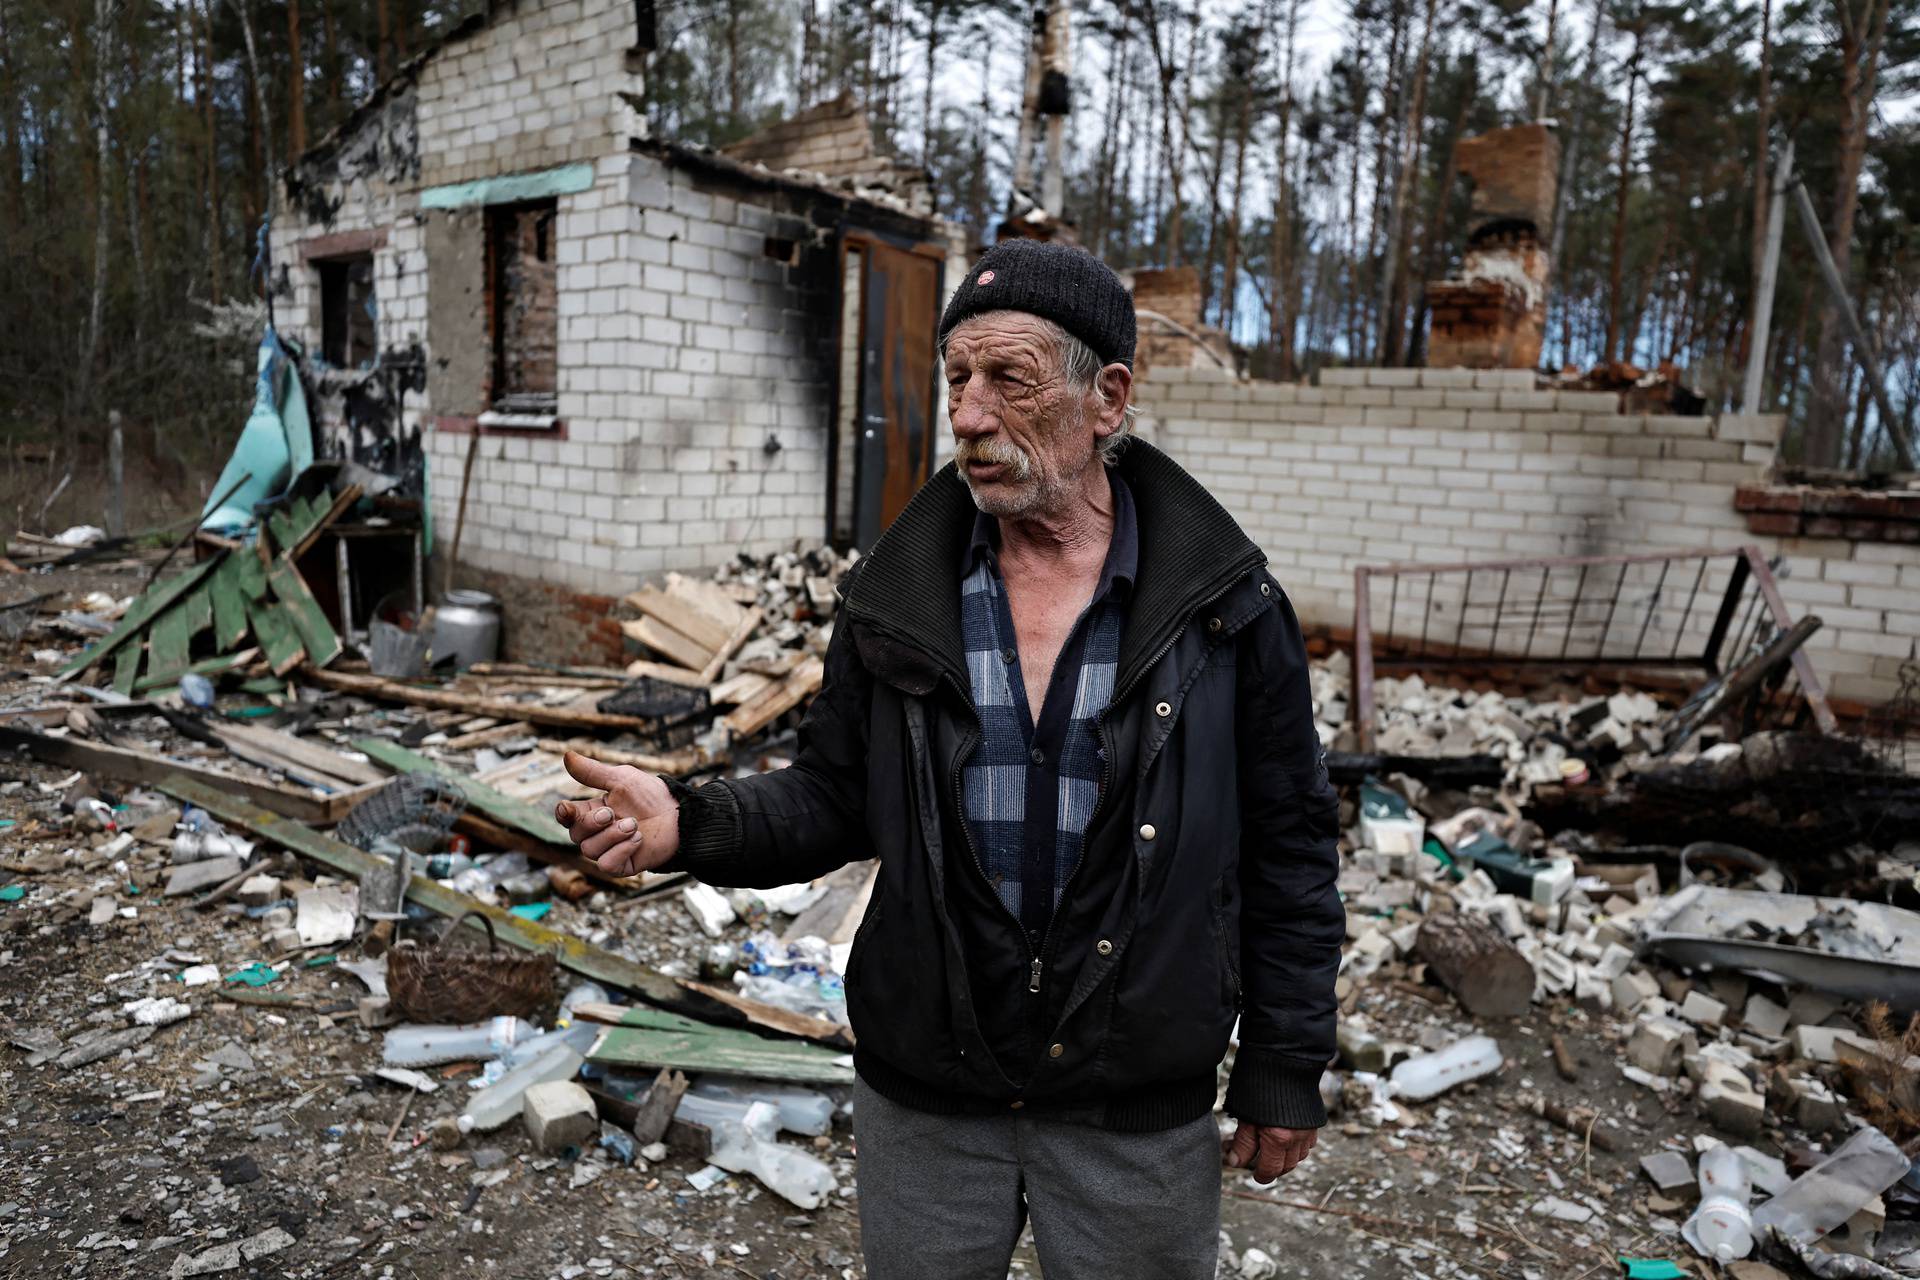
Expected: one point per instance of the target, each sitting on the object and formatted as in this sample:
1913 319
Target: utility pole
1029 110
1757 340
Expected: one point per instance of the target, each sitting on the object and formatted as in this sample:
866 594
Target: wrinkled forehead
1001 337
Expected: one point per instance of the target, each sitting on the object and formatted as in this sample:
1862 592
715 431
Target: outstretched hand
635 827
1267 1150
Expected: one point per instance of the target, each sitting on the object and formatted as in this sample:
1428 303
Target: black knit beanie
1057 282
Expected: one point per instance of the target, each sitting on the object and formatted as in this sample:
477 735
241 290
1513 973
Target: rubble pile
1567 1033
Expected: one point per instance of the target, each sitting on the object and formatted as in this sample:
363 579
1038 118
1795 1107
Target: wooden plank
126 666
741 688
706 631
749 622
341 504
664 640
229 604
213 666
653 1039
313 754
664 671
684 761
838 913
309 621
747 720
147 767
199 608
168 643
142 611
707 596
249 575
570 952
503 809
283 648
368 686
774 1018
281 524
490 734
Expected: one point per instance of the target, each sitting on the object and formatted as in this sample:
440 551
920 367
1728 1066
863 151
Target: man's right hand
635 827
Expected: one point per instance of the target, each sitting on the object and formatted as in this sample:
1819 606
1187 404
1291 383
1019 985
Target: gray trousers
945 1197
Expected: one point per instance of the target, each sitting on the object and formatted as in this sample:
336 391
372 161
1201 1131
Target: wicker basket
443 983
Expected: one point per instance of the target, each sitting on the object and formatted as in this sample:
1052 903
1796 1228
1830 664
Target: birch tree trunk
105 13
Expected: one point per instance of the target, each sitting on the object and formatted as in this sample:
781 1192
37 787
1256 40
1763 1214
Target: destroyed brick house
668 354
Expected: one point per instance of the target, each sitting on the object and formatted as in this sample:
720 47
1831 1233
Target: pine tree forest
1300 156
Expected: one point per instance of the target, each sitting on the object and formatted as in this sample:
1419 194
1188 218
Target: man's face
1023 436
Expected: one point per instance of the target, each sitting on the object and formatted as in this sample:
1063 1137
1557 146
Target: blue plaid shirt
1030 785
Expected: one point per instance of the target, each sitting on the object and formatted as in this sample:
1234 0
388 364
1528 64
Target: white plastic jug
1721 1228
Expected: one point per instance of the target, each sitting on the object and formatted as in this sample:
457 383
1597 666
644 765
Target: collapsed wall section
1444 465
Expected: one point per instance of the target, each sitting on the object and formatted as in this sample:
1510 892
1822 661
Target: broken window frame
334 272
1600 588
511 406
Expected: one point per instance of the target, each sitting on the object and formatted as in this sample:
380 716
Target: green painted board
168 643
229 604
503 809
126 665
199 610
263 684
570 952
249 574
653 1039
206 667
276 636
300 608
281 524
510 187
150 604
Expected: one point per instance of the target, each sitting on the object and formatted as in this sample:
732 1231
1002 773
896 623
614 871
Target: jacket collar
1190 550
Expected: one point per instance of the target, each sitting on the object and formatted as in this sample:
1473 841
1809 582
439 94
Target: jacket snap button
1163 708
1056 1050
1146 831
1266 589
1104 947
1213 624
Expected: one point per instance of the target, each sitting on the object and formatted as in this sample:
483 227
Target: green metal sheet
206 667
510 188
504 809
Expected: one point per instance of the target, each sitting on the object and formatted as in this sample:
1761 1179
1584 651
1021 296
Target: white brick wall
1368 467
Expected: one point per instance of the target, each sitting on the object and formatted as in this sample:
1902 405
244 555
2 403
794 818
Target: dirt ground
244 1121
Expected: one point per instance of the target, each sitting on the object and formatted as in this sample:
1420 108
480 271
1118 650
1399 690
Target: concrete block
258 891
1815 1107
1702 1009
1633 989
1658 1044
1729 1099
1763 1017
559 1114
1671 1175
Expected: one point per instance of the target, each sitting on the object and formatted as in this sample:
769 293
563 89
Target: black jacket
1207 888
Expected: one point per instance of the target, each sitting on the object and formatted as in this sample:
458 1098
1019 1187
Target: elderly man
1067 709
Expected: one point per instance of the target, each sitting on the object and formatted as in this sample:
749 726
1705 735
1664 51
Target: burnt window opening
782 249
347 335
523 307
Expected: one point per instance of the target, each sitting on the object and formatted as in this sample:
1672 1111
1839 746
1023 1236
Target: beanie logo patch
986 277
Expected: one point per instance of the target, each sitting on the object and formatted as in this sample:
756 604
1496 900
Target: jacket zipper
1106 768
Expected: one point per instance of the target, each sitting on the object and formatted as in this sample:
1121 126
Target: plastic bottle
499 1102
582 993
1432 1074
743 1142
1826 1195
445 866
426 1046
1721 1228
803 1111
579 1039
